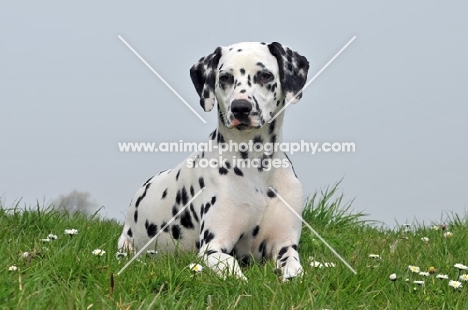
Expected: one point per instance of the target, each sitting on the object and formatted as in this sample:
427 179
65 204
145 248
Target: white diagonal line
162 79
160 231
313 78
313 230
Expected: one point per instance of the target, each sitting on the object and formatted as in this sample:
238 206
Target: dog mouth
241 124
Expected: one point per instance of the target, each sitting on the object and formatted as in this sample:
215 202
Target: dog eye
226 78
265 77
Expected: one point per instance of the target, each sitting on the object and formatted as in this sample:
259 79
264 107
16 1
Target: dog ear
203 75
293 70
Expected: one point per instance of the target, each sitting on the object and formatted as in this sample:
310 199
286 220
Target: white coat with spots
237 217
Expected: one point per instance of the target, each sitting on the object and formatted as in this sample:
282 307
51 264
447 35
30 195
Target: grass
64 274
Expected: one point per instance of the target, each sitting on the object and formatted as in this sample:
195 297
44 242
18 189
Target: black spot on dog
178 197
294 246
255 231
197 244
165 226
241 236
243 91
207 207
244 154
284 259
184 196
135 216
262 248
239 50
220 138
202 226
257 139
194 213
129 232
271 129
213 134
223 171
174 210
147 181
177 175
176 232
227 164
139 199
282 251
273 139
192 191
224 250
202 210
186 220
261 65
242 71
208 236
201 182
271 193
213 200
238 171
151 229
211 252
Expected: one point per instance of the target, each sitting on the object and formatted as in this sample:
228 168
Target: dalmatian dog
238 216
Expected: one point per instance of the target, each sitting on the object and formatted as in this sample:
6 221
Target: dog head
250 81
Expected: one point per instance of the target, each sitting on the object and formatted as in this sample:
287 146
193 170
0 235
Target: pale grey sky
70 90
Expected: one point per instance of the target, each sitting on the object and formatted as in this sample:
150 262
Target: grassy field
64 274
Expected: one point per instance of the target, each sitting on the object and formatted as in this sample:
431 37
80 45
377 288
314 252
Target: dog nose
241 108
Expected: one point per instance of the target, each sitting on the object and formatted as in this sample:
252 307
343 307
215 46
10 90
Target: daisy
316 264
425 239
393 277
448 234
45 240
12 268
25 254
151 252
442 276
455 284
432 270
464 277
99 252
424 274
52 237
120 255
414 269
376 256
329 264
196 267
71 232
418 282
460 267
435 227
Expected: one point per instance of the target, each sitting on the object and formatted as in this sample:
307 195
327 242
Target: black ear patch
293 70
203 75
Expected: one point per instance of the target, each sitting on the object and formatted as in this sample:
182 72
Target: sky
70 91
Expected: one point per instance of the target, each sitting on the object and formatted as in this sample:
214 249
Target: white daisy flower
99 252
418 282
393 277
460 267
424 274
52 237
120 255
151 252
442 276
463 277
316 264
414 269
196 267
425 239
448 234
435 227
376 256
12 268
455 284
25 254
71 232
